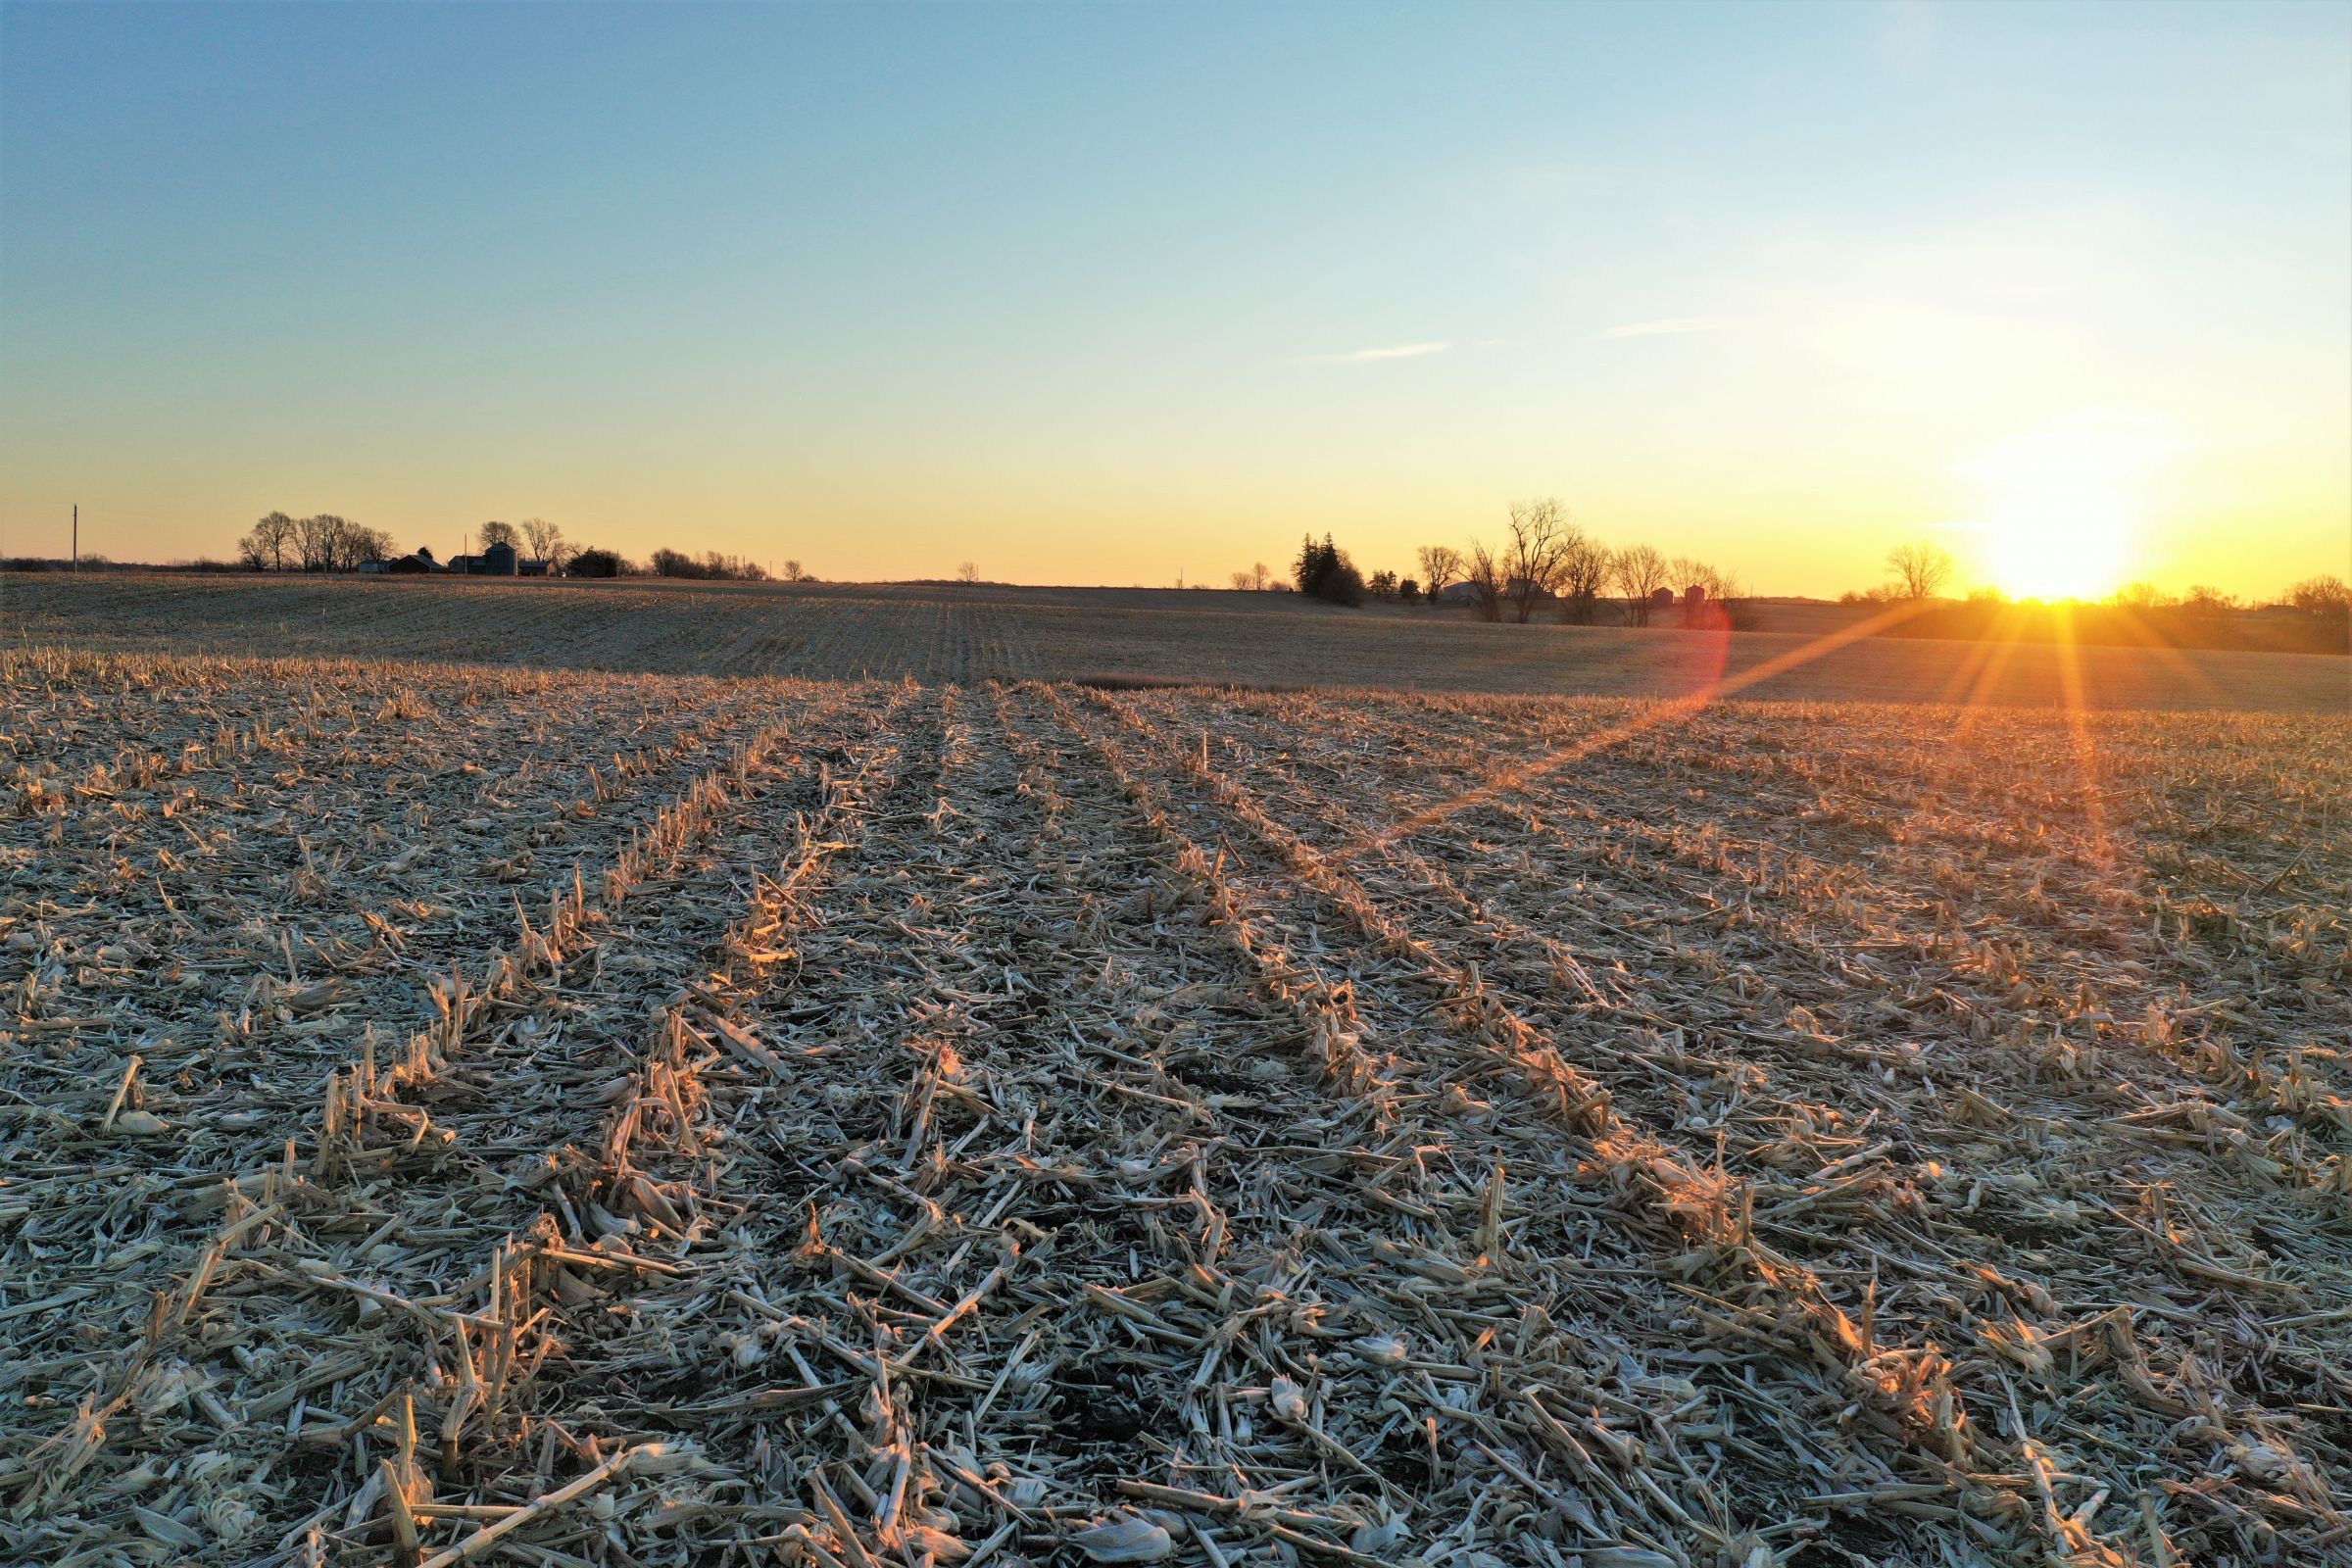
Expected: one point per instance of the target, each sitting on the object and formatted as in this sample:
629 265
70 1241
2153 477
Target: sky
1119 293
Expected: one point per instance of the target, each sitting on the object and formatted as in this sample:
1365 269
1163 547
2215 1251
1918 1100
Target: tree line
325 542
711 567
321 543
1543 560
2314 615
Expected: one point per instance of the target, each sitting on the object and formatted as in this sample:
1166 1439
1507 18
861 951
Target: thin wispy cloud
1397 351
1671 326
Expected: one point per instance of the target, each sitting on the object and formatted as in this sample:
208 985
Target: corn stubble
475 1115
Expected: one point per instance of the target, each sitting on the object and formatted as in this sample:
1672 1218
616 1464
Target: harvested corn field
479 1115
939 633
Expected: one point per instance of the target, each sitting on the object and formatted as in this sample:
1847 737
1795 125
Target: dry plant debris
466 1115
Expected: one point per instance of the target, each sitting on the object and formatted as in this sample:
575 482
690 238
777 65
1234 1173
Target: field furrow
395 1145
1887 1164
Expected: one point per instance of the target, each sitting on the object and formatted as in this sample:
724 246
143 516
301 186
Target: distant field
941 633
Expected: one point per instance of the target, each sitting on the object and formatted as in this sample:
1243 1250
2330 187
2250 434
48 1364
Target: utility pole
77 536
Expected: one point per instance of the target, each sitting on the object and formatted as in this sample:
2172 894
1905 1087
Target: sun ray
2156 644
1998 651
1969 677
1662 713
2078 719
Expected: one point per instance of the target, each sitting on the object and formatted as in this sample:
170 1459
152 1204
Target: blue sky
1099 293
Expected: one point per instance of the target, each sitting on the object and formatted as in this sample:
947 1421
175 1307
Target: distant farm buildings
498 561
1466 592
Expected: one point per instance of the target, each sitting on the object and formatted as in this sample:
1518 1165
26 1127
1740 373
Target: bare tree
1258 577
266 544
2321 596
1710 596
1534 555
1583 574
1484 575
1638 572
500 533
317 540
1244 581
1440 565
1919 570
793 573
376 543
547 542
967 572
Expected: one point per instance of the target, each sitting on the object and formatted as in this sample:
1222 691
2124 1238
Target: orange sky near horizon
1157 527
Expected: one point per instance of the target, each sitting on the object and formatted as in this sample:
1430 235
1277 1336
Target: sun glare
2064 508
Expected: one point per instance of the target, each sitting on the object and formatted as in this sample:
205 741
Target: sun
2064 508
2058 543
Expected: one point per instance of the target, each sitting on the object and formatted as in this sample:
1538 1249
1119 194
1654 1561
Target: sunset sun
2064 508
2057 547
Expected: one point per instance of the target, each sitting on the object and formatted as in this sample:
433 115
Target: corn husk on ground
458 1116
